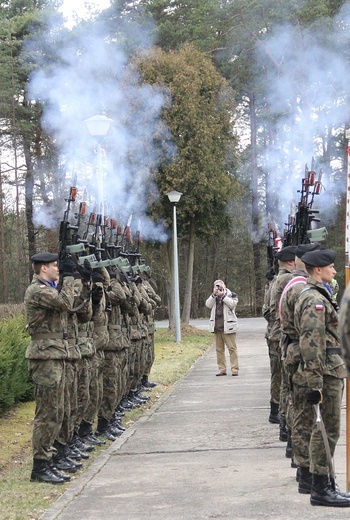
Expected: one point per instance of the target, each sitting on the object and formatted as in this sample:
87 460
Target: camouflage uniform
273 348
112 368
320 368
155 301
101 337
344 327
278 374
46 314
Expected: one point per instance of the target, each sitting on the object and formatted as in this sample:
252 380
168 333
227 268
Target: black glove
96 294
86 270
314 397
67 267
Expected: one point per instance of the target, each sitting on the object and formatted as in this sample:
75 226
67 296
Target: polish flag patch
43 286
319 307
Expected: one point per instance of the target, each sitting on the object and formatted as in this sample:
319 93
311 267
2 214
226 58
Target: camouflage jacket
316 322
344 327
46 314
118 298
278 284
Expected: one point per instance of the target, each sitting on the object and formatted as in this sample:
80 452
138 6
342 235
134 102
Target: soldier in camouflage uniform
286 262
344 327
290 351
155 300
46 314
318 379
274 360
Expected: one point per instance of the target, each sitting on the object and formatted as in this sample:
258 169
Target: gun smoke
85 72
307 107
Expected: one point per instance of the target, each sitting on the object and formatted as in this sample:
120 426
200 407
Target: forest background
224 101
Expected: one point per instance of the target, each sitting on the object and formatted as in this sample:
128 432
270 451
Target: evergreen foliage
15 383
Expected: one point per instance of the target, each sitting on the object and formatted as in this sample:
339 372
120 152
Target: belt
114 327
49 335
333 350
84 335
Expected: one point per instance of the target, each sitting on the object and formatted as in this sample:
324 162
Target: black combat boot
58 473
61 461
289 448
103 430
283 429
274 417
305 481
42 472
86 435
323 494
148 384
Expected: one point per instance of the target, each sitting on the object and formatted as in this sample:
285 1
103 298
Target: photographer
223 323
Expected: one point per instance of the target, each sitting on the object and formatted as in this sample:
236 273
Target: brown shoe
221 374
235 372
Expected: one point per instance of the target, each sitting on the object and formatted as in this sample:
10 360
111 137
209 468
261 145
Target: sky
73 8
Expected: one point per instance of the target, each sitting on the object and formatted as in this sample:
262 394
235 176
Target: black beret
305 248
319 258
97 277
286 253
44 258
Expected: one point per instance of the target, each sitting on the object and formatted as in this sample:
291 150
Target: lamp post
98 127
174 197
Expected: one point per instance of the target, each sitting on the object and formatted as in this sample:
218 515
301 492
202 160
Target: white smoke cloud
85 72
307 101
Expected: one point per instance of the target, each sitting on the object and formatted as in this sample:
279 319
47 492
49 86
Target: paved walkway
204 451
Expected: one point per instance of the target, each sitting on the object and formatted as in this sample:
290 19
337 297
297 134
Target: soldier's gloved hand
314 397
96 294
86 270
67 267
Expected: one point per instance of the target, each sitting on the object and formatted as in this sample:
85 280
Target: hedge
15 383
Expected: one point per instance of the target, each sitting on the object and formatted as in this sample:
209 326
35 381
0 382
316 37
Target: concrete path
204 451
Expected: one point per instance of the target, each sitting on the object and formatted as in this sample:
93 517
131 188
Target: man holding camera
223 323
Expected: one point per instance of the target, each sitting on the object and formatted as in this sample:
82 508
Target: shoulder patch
319 307
43 286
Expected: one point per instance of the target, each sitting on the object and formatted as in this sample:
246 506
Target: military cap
97 277
319 258
44 258
286 253
305 248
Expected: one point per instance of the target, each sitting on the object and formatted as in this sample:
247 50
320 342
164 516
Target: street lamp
174 197
98 127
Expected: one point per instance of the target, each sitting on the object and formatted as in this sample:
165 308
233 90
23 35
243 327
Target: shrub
15 384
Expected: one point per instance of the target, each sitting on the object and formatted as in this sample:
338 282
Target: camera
220 287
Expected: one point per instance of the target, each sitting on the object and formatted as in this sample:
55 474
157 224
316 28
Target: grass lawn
21 499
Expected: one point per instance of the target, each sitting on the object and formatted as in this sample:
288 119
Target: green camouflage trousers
70 402
308 446
49 382
96 386
149 354
275 371
83 388
110 385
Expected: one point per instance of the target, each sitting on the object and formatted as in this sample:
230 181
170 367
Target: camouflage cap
286 253
319 258
44 258
305 248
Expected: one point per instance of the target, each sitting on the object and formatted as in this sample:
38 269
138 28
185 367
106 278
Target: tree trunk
28 195
3 245
186 311
255 209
